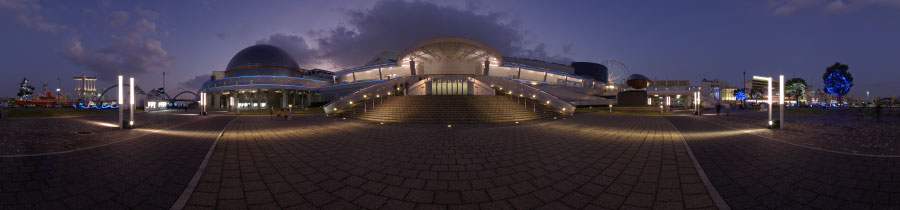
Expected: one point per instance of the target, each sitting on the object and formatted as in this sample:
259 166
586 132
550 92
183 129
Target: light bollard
770 101
130 101
781 101
202 103
120 102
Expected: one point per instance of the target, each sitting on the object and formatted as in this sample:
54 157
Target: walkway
588 162
751 172
147 172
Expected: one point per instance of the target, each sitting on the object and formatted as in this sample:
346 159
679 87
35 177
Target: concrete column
284 98
487 67
216 102
380 77
519 74
412 68
354 76
545 76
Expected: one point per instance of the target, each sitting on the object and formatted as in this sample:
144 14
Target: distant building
759 85
85 87
265 76
680 91
595 71
717 90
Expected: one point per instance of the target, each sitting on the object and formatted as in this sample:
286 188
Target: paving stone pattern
751 172
831 131
584 162
148 172
48 135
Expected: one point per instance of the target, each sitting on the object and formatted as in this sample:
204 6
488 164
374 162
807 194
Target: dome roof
637 76
262 55
453 47
637 81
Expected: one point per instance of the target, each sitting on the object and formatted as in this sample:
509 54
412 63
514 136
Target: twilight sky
684 40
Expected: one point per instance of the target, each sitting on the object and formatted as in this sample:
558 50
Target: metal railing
530 92
383 88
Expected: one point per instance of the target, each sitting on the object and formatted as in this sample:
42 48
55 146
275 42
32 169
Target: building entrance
449 87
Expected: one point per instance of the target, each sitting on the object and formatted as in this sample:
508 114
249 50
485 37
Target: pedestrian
718 108
285 113
278 115
878 112
289 114
271 113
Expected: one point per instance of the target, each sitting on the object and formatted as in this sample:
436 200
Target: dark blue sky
45 40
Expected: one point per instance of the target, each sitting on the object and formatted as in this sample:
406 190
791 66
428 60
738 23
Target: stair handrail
364 93
533 93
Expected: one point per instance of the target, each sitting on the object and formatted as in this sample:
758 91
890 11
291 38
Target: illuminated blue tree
838 80
739 95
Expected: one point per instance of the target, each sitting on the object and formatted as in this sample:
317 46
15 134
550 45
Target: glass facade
449 87
264 80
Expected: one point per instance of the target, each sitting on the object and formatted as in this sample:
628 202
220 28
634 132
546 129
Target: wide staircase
448 109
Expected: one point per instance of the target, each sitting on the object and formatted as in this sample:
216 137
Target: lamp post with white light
769 99
781 101
120 102
202 103
130 101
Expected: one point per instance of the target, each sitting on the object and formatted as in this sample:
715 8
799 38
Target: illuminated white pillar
200 104
697 99
781 101
770 101
668 103
120 102
130 101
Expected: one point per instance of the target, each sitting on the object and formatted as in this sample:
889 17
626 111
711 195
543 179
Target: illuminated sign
94 106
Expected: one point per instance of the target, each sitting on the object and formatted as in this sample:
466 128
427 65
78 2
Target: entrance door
449 87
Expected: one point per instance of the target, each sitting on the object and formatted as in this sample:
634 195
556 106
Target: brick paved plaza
588 161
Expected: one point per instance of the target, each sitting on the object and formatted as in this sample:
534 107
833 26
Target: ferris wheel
616 71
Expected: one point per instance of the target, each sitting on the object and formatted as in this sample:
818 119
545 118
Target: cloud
567 47
539 53
394 25
790 7
223 36
28 14
296 46
119 18
130 51
194 83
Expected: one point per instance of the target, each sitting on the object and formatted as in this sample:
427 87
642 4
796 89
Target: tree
756 93
25 89
795 87
739 95
838 80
